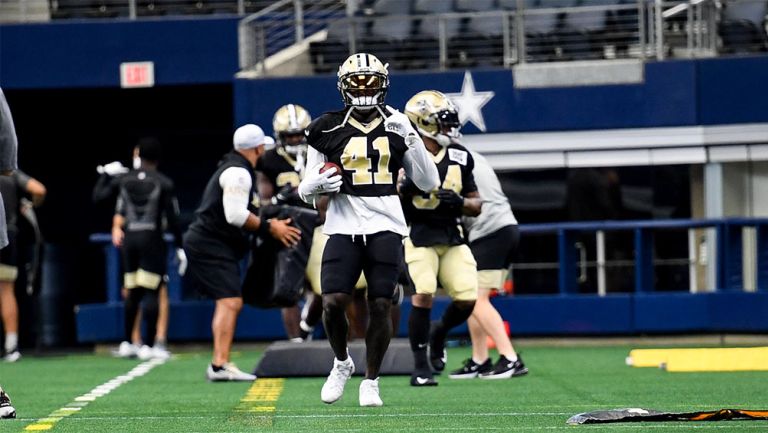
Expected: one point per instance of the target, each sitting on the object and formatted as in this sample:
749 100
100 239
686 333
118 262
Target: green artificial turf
174 397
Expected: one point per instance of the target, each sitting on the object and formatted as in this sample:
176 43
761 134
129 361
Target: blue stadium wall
204 51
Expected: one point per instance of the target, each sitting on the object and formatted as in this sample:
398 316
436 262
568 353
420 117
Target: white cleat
333 388
228 373
12 356
159 352
369 393
144 353
126 350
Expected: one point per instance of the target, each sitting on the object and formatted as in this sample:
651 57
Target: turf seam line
73 407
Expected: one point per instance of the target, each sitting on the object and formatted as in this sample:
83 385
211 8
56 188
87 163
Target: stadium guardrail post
761 265
567 278
644 272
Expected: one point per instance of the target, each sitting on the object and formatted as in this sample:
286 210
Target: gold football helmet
435 115
363 81
289 124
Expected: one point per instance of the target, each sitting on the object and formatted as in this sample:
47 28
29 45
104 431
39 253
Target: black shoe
423 379
6 410
471 369
437 354
505 369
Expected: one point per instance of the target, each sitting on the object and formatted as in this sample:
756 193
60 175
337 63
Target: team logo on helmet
289 124
435 116
363 81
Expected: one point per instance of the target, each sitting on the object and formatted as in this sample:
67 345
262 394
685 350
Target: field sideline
96 393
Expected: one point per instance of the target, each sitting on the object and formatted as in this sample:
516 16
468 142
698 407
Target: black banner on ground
636 414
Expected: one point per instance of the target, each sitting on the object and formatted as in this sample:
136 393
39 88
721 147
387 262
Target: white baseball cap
269 143
248 136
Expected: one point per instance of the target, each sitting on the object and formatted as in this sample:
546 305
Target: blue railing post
113 274
644 272
567 276
729 267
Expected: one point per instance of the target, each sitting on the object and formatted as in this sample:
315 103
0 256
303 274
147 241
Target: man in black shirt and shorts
219 239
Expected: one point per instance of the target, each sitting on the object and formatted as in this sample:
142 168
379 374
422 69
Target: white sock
11 341
512 358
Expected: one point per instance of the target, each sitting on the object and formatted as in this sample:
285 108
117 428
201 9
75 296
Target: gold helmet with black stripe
288 125
363 81
435 116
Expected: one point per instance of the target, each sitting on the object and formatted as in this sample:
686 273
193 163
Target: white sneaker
228 373
12 356
333 388
159 352
369 393
126 350
144 353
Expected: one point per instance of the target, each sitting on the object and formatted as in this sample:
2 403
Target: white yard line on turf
80 402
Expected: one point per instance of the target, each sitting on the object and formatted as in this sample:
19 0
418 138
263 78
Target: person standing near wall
12 188
8 155
146 202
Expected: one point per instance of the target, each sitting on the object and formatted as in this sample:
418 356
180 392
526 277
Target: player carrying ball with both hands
370 142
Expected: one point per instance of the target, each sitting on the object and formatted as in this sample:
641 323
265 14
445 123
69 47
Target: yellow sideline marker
716 359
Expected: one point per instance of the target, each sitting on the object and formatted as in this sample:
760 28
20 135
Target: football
329 165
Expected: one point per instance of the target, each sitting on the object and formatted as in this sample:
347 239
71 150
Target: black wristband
264 227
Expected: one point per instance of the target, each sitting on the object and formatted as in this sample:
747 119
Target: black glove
286 195
449 198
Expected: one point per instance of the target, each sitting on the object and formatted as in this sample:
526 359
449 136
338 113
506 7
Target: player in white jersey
493 239
370 142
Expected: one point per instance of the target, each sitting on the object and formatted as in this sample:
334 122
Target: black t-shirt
369 156
432 222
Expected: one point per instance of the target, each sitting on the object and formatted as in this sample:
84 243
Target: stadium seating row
408 32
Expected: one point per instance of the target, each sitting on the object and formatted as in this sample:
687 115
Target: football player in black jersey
436 251
145 201
279 172
369 143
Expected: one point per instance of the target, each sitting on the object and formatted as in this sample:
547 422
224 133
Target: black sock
418 334
452 317
216 368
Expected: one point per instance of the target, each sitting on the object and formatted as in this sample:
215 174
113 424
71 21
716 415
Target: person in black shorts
369 143
145 202
13 188
219 239
493 239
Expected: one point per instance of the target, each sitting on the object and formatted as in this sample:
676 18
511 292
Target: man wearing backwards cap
218 239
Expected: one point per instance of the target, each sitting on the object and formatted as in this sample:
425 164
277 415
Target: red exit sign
137 74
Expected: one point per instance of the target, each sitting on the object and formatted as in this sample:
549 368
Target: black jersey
210 231
433 223
146 200
369 156
279 167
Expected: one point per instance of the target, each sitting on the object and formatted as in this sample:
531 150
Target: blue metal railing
729 248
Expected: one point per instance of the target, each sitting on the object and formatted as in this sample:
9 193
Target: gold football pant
453 266
315 261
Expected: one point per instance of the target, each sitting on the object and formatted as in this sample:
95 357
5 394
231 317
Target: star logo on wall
470 102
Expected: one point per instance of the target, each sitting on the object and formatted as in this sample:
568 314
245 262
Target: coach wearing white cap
218 239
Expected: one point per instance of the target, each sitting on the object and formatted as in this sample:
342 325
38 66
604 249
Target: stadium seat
742 28
327 55
424 47
482 43
476 5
